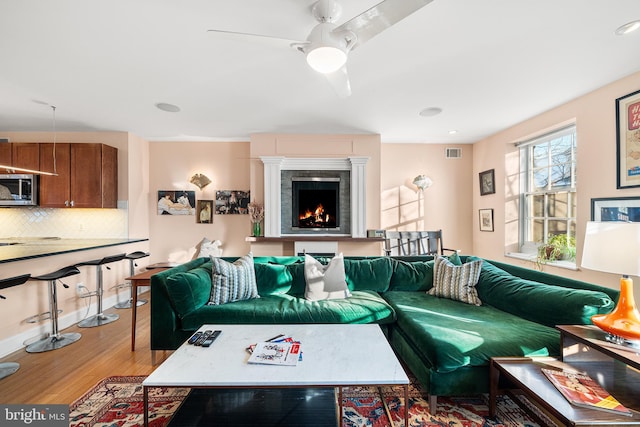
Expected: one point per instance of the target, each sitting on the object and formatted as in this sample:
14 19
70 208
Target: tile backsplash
65 223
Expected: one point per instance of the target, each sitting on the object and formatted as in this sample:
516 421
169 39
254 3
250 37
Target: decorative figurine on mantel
256 214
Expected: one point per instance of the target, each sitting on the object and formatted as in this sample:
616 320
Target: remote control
195 337
211 338
204 336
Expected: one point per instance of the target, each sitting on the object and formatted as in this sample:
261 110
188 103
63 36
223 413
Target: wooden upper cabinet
20 155
87 176
26 155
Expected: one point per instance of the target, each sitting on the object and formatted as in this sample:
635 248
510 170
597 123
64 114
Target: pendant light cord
55 170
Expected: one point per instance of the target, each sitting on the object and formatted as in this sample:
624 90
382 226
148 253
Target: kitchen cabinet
20 155
87 176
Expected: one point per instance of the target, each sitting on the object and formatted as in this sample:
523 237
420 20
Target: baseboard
16 342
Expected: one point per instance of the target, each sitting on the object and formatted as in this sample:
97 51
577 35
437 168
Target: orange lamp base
624 320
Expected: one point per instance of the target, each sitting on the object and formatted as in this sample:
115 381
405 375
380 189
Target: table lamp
614 247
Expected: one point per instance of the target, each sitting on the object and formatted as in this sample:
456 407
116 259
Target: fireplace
315 203
338 184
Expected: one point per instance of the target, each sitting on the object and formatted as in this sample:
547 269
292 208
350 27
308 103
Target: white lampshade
612 247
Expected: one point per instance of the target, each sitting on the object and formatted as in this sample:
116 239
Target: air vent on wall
453 153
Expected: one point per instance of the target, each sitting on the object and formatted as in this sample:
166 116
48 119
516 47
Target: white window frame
528 247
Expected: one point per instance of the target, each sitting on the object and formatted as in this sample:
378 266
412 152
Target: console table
585 349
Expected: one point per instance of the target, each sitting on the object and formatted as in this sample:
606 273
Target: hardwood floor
61 376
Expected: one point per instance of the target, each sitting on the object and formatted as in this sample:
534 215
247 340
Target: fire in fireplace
316 202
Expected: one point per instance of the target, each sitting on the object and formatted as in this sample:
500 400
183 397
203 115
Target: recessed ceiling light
170 108
453 132
628 28
430 112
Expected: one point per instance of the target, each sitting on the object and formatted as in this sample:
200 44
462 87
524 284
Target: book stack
280 350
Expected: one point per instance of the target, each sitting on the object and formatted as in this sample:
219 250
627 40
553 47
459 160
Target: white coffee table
333 356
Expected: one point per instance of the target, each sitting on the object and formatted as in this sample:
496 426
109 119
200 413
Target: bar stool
8 368
132 257
55 340
99 318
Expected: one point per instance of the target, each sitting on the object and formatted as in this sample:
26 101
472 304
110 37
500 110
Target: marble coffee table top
333 355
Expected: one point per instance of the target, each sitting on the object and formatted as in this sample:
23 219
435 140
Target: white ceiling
488 64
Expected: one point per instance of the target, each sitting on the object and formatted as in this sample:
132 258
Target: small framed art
628 140
486 219
204 212
487 182
625 209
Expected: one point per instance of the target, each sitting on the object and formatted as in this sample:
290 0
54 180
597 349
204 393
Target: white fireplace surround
274 165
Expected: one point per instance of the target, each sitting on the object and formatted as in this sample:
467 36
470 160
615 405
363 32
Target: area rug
118 401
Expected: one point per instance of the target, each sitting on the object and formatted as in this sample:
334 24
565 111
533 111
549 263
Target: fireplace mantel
273 167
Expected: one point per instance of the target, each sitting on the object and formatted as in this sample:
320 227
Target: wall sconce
422 182
200 180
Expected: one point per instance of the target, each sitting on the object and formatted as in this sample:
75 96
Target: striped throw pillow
456 282
232 281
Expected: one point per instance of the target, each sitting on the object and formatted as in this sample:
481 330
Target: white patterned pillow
456 282
325 281
232 281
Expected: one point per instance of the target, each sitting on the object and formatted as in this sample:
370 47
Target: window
548 192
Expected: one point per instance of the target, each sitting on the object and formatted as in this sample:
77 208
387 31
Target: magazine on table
276 353
581 390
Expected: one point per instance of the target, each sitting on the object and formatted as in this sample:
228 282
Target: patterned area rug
118 401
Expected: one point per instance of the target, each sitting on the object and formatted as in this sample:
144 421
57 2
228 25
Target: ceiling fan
328 44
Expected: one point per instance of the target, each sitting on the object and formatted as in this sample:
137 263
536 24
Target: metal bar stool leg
10 368
100 318
56 340
132 257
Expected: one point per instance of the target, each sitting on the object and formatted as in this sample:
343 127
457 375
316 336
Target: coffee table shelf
584 348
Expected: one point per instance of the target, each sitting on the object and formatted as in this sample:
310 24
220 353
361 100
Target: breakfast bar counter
19 248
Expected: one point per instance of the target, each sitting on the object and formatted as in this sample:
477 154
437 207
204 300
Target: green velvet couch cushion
189 290
450 334
415 273
361 307
273 279
539 302
368 274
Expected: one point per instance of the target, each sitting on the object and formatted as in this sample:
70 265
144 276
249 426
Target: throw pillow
232 281
456 282
210 249
325 281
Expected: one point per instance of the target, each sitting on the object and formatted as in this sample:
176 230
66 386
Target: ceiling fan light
326 59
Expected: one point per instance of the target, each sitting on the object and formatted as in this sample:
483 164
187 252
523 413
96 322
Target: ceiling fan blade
380 17
339 81
272 40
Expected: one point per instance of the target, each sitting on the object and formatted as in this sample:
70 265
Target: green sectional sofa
447 344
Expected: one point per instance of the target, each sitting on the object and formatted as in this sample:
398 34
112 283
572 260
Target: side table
141 279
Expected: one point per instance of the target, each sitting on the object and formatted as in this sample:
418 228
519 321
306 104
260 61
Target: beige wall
594 115
171 165
445 205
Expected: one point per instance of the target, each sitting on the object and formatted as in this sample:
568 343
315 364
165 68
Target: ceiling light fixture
627 28
327 51
169 108
453 132
430 111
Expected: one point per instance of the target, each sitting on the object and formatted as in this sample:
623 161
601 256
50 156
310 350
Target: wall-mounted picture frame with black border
616 209
204 212
486 219
628 140
172 202
487 182
232 202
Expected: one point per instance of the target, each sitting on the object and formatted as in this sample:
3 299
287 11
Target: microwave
18 190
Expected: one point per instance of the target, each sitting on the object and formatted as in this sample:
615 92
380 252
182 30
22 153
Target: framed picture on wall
487 182
204 212
628 140
232 202
171 202
486 219
616 209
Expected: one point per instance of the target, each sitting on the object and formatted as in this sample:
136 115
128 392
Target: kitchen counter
18 249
